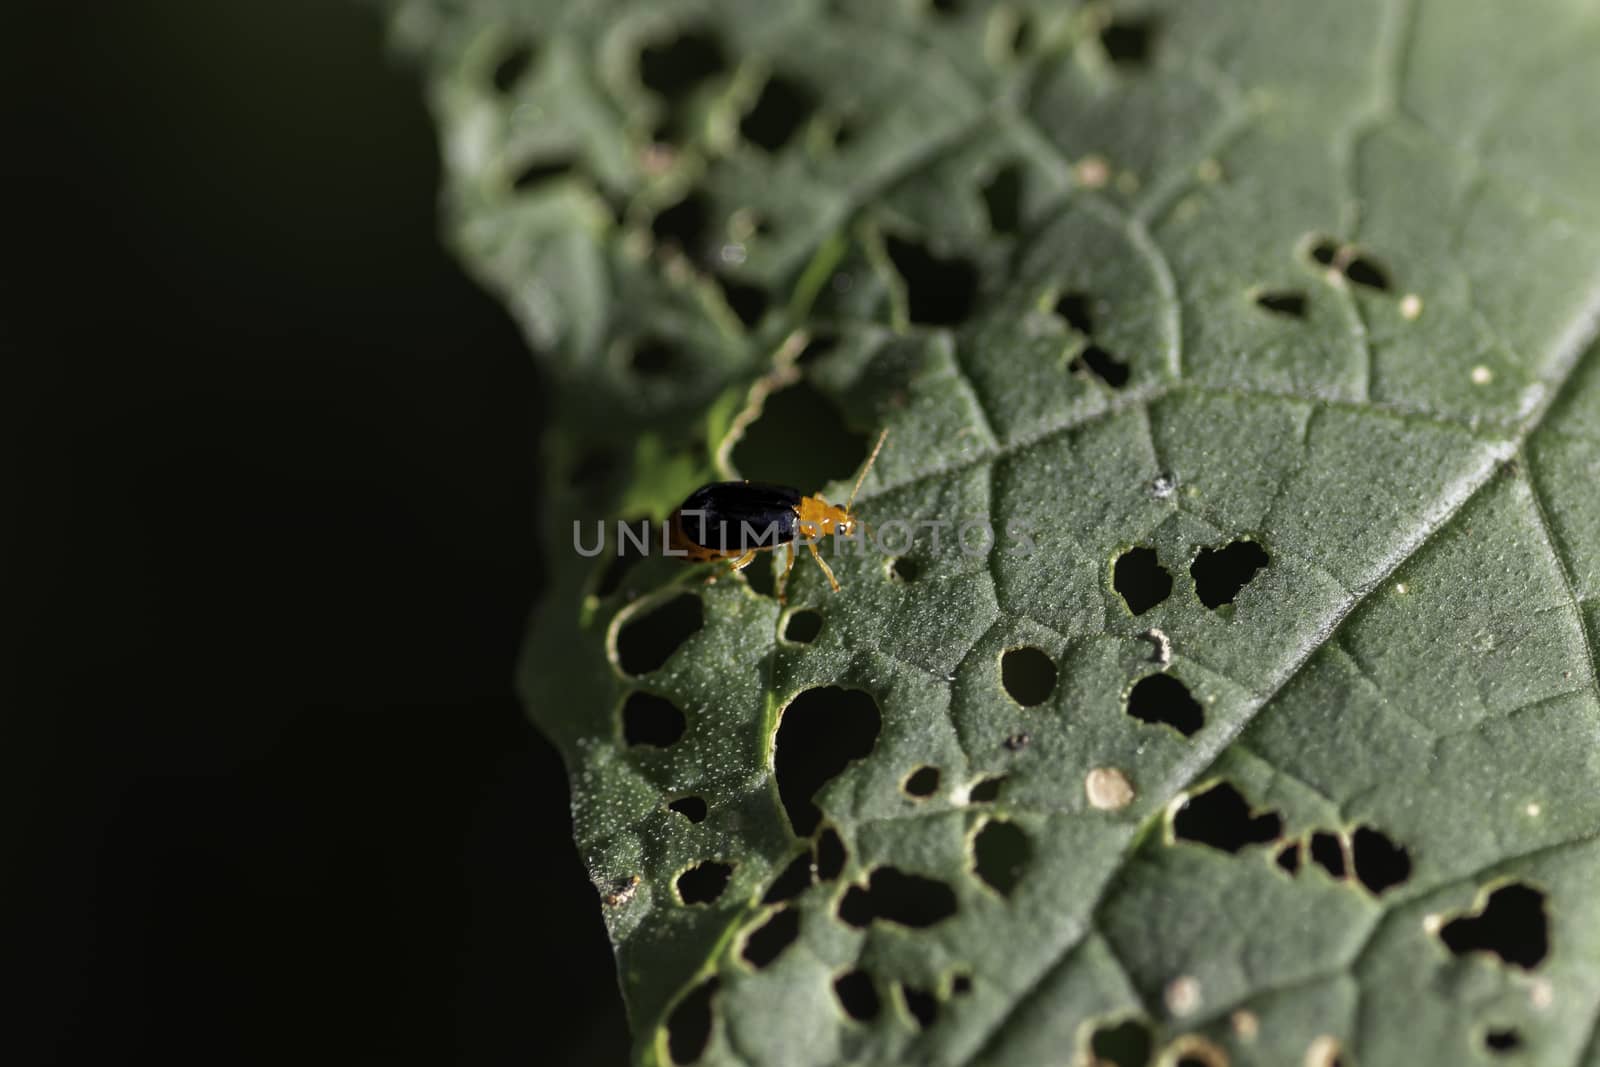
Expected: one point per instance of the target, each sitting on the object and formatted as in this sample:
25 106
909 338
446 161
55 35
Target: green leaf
1272 320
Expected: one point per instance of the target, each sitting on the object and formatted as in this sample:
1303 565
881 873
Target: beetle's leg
824 565
738 564
783 582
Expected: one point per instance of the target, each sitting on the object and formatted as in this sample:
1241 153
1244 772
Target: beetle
735 520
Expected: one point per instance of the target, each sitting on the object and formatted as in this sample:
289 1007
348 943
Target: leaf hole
632 546
1075 309
759 577
648 719
857 996
939 291
653 357
1502 1040
691 808
921 783
1161 698
675 68
921 1005
1024 36
767 942
1327 852
1221 573
794 879
1028 675
960 984
1511 925
1323 250
651 636
1103 365
801 412
512 67
986 790
1221 818
1140 579
904 569
1128 42
1123 1044
748 302
704 882
784 106
685 225
802 627
894 896
1379 863
820 733
855 907
1365 271
846 131
1288 302
1001 852
819 346
1288 858
540 171
689 1024
1002 198
831 855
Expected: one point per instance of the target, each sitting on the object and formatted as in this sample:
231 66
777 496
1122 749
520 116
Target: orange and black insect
735 520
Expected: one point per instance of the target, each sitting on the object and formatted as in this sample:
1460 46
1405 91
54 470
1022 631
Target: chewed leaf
1216 682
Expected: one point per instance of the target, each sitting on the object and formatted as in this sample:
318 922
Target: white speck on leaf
1092 172
1182 995
1162 655
1108 789
1324 1052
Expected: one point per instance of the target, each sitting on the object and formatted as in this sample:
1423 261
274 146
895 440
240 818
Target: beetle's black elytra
731 518
735 520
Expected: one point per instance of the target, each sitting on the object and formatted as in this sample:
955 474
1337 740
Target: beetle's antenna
882 437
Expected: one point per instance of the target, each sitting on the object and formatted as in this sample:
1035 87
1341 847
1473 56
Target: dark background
265 791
